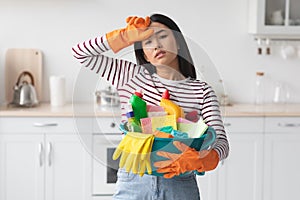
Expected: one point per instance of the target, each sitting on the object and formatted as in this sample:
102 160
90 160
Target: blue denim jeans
133 187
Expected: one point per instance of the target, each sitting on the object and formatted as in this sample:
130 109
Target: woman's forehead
158 26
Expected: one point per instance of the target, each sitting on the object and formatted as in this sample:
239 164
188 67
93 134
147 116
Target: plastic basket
166 144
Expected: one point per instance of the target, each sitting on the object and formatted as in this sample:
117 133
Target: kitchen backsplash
221 29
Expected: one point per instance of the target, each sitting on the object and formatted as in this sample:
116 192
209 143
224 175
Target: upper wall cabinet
274 18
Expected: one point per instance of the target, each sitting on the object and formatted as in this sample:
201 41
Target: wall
219 27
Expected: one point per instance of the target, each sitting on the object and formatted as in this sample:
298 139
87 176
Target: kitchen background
219 27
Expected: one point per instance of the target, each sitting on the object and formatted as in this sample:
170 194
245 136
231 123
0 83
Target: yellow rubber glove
188 160
135 149
136 30
145 165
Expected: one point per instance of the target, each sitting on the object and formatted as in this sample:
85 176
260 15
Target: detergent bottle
170 107
132 124
139 106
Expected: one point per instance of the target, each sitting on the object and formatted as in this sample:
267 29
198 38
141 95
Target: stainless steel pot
107 97
24 92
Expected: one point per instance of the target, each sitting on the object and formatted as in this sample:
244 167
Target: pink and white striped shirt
127 77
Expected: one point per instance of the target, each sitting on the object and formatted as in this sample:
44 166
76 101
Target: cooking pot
24 92
107 97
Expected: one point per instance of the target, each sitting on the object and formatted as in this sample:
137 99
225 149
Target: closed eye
147 42
163 36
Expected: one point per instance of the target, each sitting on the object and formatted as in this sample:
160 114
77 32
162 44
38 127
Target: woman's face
161 48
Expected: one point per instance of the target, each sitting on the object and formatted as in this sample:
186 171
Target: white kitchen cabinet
21 167
43 158
240 176
274 18
281 158
208 185
67 164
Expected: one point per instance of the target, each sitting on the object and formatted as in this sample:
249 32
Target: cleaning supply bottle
170 107
139 106
132 124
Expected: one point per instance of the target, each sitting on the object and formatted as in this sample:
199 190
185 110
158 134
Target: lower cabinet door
240 177
282 166
22 167
208 185
67 168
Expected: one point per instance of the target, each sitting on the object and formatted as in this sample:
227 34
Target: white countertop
68 110
91 110
264 110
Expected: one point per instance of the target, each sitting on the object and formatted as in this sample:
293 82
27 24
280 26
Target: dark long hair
186 65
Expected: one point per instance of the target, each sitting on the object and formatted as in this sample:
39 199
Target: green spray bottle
139 106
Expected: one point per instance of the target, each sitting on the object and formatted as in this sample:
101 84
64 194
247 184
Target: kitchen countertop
91 110
264 110
68 110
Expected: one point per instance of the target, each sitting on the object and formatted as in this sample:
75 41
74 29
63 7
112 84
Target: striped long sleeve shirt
127 77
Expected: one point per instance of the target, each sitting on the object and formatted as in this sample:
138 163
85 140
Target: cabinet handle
41 149
227 124
37 124
49 154
288 125
112 125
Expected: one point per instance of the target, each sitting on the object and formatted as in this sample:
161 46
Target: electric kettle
24 92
